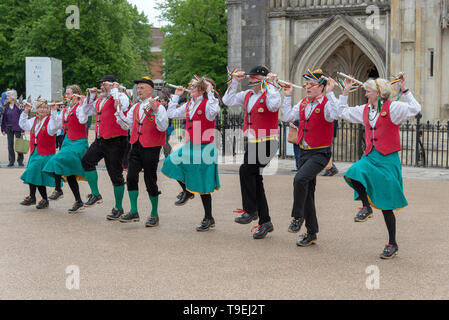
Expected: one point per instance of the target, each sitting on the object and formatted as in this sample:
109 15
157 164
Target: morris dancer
194 165
377 178
42 149
110 141
148 122
67 162
316 114
261 129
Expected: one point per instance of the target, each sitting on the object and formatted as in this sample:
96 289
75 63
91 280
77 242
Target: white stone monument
43 78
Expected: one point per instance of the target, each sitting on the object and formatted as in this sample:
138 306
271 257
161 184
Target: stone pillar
234 33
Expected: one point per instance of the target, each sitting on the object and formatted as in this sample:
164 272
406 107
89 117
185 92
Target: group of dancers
376 178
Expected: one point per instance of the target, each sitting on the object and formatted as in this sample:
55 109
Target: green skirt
196 166
382 178
67 162
34 172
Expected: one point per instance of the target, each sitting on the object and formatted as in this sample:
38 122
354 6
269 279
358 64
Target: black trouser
256 157
126 152
112 152
146 159
12 155
311 162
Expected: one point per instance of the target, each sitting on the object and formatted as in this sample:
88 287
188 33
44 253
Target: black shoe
152 221
28 201
77 206
306 240
206 224
184 198
10 165
363 214
390 251
93 200
130 217
42 204
115 214
331 172
295 225
246 217
262 230
56 195
21 165
180 195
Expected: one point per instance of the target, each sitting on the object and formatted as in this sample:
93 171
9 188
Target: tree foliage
195 40
113 38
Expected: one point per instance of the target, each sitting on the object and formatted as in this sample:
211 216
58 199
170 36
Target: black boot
390 251
130 217
263 230
115 214
246 218
206 224
306 240
77 206
28 201
363 214
186 195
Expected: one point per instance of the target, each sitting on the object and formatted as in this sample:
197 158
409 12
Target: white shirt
232 98
58 120
126 123
291 114
88 107
399 111
27 124
212 107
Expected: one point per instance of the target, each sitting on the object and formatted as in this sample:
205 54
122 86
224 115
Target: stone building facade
370 38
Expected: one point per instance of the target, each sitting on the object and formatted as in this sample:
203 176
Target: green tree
195 40
113 38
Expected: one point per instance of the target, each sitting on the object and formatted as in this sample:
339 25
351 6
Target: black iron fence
423 144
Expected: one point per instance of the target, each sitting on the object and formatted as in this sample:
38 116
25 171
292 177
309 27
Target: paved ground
173 261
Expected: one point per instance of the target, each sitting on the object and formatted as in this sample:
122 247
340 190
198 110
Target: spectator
10 125
3 98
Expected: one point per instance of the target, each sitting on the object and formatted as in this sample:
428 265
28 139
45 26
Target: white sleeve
290 114
81 115
232 98
399 111
52 128
56 119
273 98
212 107
161 119
173 112
88 107
331 108
125 122
353 114
25 123
124 101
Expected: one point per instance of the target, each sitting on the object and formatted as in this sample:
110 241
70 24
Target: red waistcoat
386 133
199 129
316 131
45 143
106 120
264 123
146 132
72 127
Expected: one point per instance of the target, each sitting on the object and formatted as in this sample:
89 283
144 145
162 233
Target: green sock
154 203
133 194
118 193
92 180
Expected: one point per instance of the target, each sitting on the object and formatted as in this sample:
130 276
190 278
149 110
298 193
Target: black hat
146 80
259 71
109 78
315 75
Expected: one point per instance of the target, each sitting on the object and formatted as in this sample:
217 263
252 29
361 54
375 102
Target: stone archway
341 44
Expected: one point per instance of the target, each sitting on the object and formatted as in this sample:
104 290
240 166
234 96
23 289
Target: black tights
73 184
205 198
389 217
42 191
